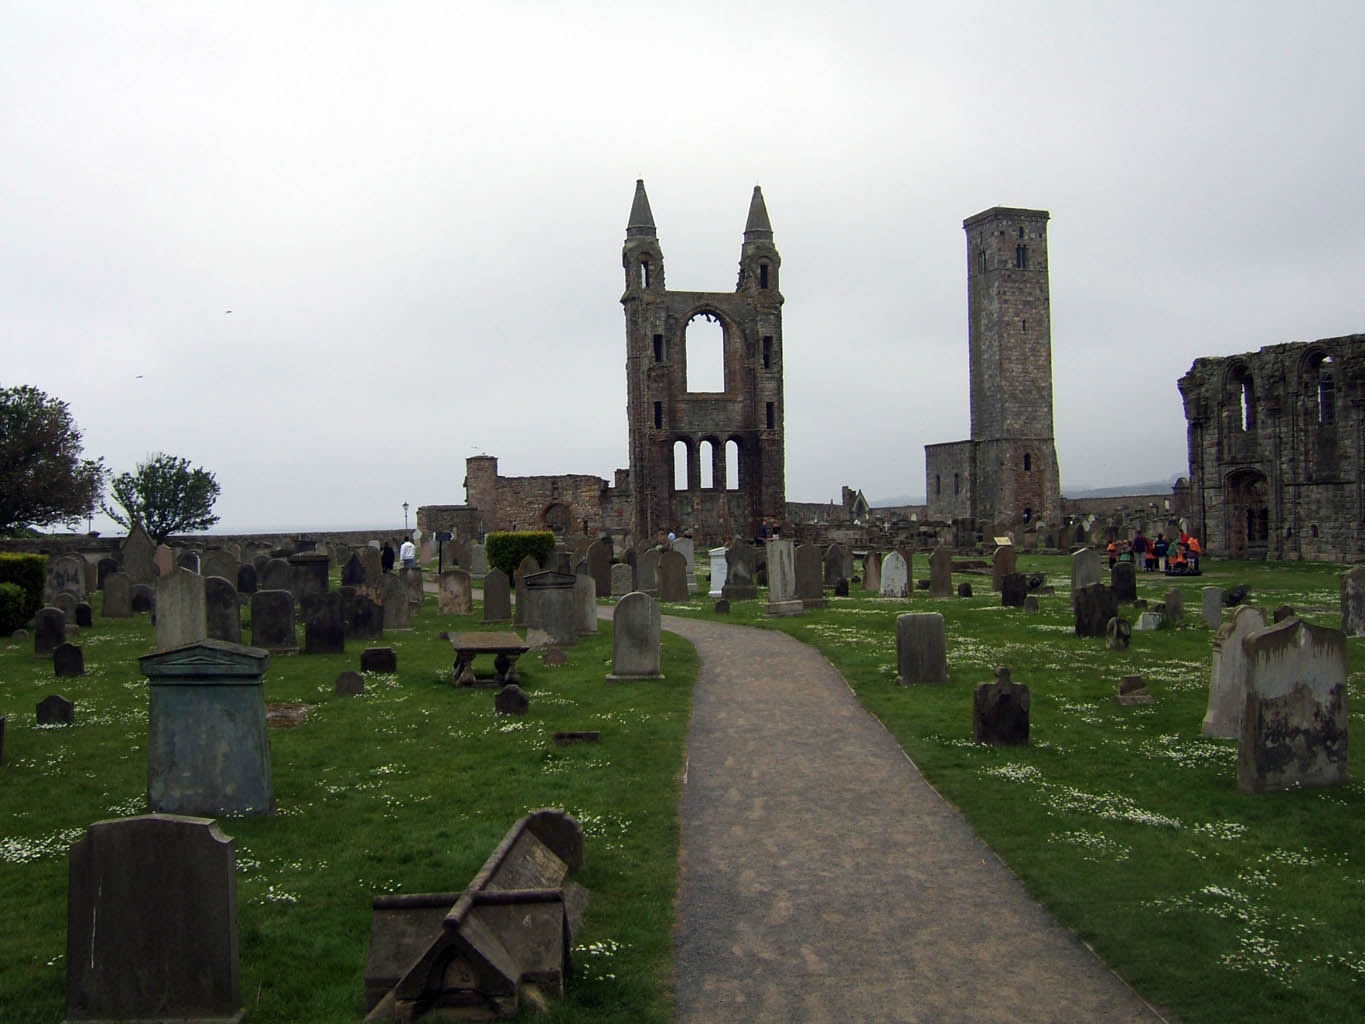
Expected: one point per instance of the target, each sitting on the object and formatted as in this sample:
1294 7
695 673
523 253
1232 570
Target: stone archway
1248 514
557 517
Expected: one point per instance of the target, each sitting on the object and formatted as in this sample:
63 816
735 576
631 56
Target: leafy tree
166 496
43 479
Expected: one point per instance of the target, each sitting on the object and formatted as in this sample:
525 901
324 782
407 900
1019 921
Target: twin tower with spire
735 434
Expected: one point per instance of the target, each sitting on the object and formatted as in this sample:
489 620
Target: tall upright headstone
719 566
894 575
550 605
635 651
164 559
647 572
181 611
585 605
599 566
838 564
138 553
222 611
1228 682
685 547
1123 580
324 630
673 577
397 608
921 648
1211 606
782 600
49 631
455 596
810 576
1353 602
872 572
152 922
272 621
497 596
527 566
1085 570
1003 563
118 596
941 572
739 572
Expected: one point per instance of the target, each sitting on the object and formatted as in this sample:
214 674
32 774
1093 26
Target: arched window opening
1327 390
769 417
767 351
707 454
1028 463
644 273
732 465
658 414
938 485
957 484
658 348
680 465
705 344
1245 410
763 275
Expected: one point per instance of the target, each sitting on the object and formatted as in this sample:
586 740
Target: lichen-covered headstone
1118 634
1294 726
1000 711
1228 682
921 648
456 595
1211 606
941 572
635 651
1094 606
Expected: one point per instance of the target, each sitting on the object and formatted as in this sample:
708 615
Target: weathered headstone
1175 606
65 573
104 567
1118 634
366 614
685 547
378 659
599 567
164 560
137 555
85 617
219 562
152 922
895 575
837 564
940 572
527 566
1013 589
1150 620
550 605
1284 611
1085 570
181 612
1236 595
1094 605
1353 602
497 597
65 601
272 621
1123 580
1031 603
1002 564
411 576
1000 711
1294 726
349 683
187 560
456 595
719 566
397 608
1228 679
921 648
672 577
635 651
276 575
810 576
1132 690
49 631
739 572
222 610
207 748
68 660
841 587
872 572
246 578
54 709
585 605
512 699
1211 606
478 559
373 563
647 572
781 557
622 579
143 597
324 630
964 589
353 570
722 606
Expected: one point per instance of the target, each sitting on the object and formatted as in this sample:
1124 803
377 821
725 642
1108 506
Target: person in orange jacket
1113 552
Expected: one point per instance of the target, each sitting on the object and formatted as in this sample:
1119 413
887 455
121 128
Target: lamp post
405 516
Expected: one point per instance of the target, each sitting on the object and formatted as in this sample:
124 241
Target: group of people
1176 556
407 553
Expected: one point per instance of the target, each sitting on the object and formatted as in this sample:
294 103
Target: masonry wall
949 473
1276 453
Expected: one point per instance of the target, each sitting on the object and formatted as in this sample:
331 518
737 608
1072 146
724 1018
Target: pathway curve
824 880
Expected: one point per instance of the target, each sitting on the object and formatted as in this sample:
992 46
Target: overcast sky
415 211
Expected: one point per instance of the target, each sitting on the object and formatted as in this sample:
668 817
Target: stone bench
501 944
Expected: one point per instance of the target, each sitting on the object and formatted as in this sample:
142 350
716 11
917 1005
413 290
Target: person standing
408 553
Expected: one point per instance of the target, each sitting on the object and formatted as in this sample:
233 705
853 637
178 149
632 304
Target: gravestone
152 922
1236 595
137 555
412 585
635 651
1002 564
66 601
163 558
349 684
207 748
921 648
1085 571
68 660
456 595
1175 606
378 659
599 567
397 608
719 566
181 611
246 578
872 572
478 559
143 597
685 547
85 616
1118 634
739 572
65 573
218 562
1284 611
324 631
103 568
527 566
1132 691
373 561
781 557
837 564
1228 679
550 605
1123 580
1294 726
940 572
964 589
810 576
222 610
1150 620
54 709
187 560
497 597
672 577
622 579
895 575
1013 589
1000 711
647 572
366 615
841 587
722 607
353 571
512 699
1211 606
1353 602
272 621
1031 603
276 575
49 631
1093 605
585 605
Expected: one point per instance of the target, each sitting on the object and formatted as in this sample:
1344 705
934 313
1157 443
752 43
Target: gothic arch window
1320 388
1242 398
707 456
704 340
1028 463
732 465
644 273
681 450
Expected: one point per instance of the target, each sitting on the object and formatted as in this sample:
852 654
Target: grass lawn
1126 821
407 788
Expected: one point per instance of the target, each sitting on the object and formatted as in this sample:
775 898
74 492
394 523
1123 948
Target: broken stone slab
1132 690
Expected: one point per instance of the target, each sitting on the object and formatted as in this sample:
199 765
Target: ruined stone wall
572 505
464 522
949 475
1277 452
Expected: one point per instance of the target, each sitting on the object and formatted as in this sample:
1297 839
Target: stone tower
735 433
1007 473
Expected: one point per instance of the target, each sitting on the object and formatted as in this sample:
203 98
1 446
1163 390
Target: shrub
11 607
507 548
29 573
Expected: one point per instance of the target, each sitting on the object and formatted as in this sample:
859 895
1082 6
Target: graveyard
1124 818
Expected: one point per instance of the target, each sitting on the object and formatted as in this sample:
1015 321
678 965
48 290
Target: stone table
505 647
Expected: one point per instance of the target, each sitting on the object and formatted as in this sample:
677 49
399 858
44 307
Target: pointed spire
758 228
641 223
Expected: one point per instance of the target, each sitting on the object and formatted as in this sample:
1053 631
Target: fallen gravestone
1000 711
499 946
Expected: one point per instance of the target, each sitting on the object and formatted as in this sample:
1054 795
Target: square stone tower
735 433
